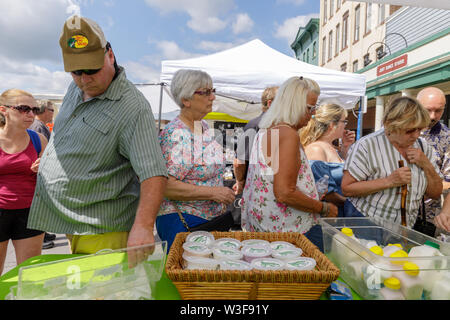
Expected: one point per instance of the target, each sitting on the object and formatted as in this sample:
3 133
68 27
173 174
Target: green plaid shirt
90 173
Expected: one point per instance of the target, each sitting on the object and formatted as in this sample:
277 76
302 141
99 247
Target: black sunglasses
88 72
25 109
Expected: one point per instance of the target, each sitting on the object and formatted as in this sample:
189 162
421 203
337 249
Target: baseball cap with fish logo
83 44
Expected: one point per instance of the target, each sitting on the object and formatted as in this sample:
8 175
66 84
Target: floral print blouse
195 159
261 212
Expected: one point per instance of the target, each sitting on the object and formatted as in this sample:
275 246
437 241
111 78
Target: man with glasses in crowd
438 136
102 177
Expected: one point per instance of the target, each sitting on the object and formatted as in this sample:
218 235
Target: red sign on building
392 65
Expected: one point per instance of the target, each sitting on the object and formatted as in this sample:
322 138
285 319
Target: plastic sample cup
194 249
234 265
267 264
201 237
255 252
227 254
301 263
227 243
192 262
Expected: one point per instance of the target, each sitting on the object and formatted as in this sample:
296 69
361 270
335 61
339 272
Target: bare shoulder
315 151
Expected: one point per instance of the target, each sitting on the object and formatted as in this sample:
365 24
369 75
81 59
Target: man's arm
151 196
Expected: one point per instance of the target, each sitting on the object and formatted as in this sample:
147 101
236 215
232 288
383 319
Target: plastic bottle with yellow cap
392 289
391 248
433 267
349 233
342 251
412 284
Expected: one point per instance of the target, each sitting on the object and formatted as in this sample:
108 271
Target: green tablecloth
165 289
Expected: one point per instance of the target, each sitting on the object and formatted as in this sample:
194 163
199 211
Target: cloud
243 23
30 32
205 14
147 69
141 72
31 77
294 2
288 30
214 46
31 29
171 51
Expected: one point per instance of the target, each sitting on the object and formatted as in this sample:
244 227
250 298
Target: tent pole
360 121
160 105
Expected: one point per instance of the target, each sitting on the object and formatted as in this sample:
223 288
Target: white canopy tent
243 72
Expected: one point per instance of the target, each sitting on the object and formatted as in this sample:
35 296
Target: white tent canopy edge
243 72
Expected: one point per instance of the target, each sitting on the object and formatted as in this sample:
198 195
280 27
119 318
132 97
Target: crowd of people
112 184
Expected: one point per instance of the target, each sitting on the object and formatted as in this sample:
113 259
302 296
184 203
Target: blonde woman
372 173
20 150
279 193
328 125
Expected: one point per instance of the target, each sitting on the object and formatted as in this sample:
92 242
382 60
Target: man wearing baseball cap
102 177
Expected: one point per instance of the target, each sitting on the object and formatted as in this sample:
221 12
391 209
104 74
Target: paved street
61 247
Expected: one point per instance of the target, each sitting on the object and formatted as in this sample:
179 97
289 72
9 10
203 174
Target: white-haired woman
195 160
328 125
280 194
20 150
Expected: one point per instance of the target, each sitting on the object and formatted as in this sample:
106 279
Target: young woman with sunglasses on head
328 125
19 162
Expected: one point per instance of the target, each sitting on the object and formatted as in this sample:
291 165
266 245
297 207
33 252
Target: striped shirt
374 157
100 150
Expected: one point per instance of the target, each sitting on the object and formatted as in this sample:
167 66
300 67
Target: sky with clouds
141 32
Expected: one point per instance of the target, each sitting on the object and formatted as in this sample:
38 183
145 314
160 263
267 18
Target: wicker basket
253 284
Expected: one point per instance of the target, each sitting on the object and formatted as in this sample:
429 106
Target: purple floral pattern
194 159
439 138
260 210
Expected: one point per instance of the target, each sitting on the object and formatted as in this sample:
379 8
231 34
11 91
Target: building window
325 11
344 67
330 45
357 23
314 50
307 55
338 29
366 59
380 52
324 47
345 31
331 8
368 17
381 13
304 56
355 65
338 4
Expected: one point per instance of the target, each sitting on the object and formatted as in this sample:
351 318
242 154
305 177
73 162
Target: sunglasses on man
88 72
25 109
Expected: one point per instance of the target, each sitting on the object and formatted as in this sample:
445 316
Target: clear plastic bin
365 271
101 276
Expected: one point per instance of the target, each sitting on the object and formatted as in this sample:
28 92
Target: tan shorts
92 243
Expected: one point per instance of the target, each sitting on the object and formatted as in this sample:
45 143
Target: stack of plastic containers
101 276
380 260
203 251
